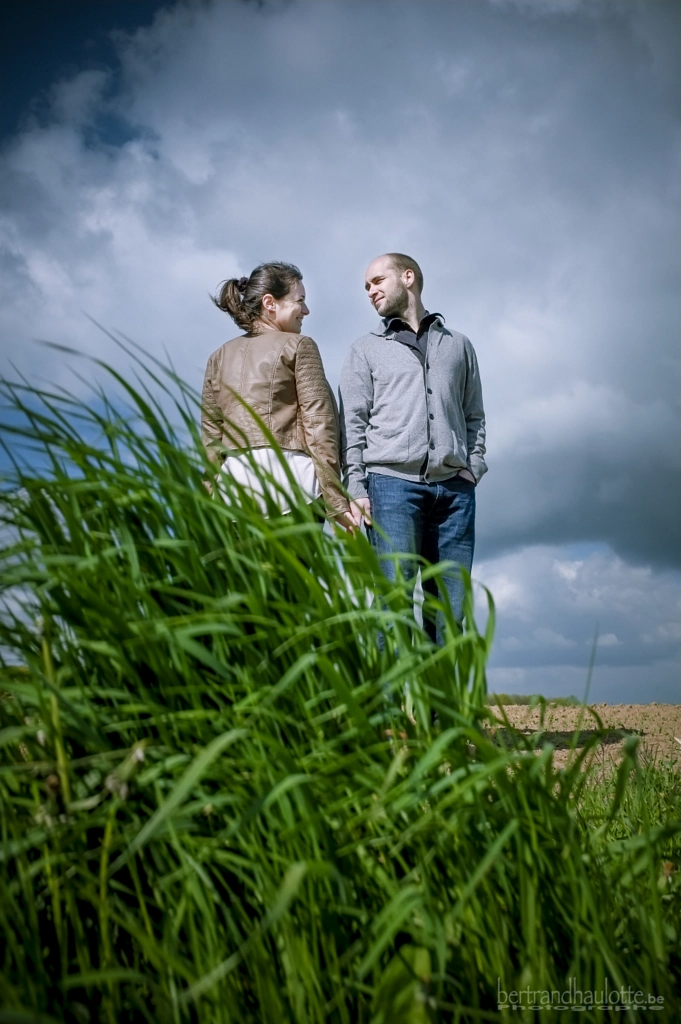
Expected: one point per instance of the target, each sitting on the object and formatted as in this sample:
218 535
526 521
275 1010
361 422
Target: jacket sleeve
356 401
319 418
211 415
474 414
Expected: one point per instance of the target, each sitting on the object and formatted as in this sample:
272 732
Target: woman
277 372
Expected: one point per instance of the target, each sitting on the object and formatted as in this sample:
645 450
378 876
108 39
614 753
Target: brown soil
658 726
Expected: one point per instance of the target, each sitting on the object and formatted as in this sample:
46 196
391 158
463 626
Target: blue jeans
435 520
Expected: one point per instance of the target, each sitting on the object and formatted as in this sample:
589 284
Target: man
413 429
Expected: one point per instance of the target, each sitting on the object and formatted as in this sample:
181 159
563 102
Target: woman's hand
347 520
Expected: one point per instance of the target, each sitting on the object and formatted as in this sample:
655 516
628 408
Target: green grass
211 808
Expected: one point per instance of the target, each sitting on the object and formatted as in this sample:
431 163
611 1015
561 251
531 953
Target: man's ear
408 276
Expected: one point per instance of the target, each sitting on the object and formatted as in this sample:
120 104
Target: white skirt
240 468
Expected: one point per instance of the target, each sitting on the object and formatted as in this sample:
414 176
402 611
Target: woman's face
286 314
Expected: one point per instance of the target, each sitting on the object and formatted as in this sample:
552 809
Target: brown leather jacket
281 377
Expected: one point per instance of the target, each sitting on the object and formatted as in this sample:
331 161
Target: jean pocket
458 485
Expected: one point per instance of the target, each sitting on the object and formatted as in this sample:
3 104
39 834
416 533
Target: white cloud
609 640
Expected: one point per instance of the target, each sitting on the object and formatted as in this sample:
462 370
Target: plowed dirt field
658 725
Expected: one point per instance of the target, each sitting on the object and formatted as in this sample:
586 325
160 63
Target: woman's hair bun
242 297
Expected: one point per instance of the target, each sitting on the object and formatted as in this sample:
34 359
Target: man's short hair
401 263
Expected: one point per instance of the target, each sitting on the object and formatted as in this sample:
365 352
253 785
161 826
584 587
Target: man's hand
466 474
360 509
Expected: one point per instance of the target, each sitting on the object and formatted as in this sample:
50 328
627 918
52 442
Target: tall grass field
239 785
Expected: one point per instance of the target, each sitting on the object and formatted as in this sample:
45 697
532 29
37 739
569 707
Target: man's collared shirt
418 341
406 335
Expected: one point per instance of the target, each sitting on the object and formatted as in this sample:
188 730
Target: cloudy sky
525 152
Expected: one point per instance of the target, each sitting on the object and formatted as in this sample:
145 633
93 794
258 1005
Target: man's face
386 287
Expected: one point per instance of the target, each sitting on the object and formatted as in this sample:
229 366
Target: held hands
351 519
345 521
360 509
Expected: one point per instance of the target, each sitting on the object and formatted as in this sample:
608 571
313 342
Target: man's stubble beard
398 303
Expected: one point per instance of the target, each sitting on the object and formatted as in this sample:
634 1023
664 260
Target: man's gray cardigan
396 410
